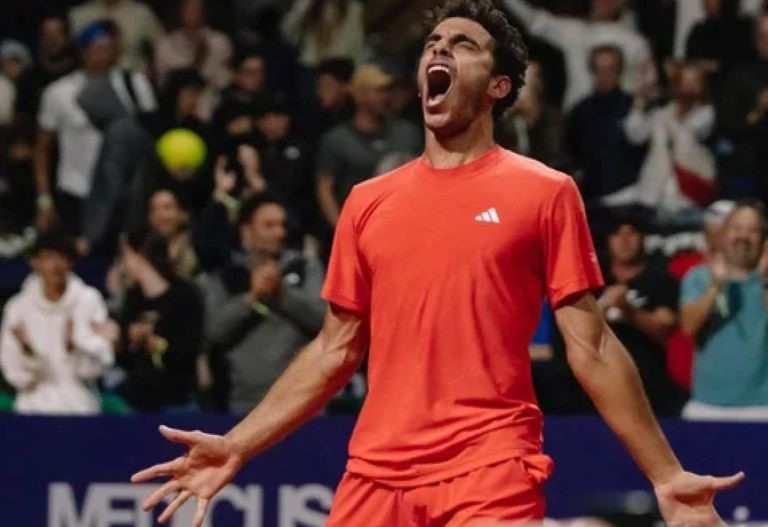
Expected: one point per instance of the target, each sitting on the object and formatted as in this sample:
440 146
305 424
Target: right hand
718 269
209 464
225 180
265 281
139 333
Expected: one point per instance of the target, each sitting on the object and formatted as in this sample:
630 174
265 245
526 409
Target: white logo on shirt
489 216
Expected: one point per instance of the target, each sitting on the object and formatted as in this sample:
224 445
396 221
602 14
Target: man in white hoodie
55 339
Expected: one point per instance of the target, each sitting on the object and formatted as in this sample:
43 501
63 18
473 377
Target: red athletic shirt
451 267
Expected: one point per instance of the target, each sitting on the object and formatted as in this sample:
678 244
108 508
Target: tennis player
439 269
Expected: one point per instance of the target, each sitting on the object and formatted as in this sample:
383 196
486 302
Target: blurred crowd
171 174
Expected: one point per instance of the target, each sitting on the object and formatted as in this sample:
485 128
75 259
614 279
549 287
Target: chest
426 235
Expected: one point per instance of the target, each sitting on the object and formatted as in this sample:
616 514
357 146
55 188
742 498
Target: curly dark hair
510 53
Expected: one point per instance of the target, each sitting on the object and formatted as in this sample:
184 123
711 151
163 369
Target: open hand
687 500
207 467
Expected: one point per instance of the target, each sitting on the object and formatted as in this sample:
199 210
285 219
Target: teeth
439 67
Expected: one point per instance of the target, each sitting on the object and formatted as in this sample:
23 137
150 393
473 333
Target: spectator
76 109
577 38
533 127
640 304
237 176
287 166
17 190
168 218
690 12
180 103
56 57
161 322
333 79
724 309
194 45
678 175
243 98
56 338
743 119
263 307
604 158
14 60
350 152
326 29
722 40
139 27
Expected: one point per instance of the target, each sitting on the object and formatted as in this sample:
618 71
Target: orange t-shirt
451 267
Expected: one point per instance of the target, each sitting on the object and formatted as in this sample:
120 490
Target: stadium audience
162 329
533 127
263 307
290 115
139 27
640 304
678 174
196 46
349 153
723 307
743 117
576 38
326 29
603 157
56 338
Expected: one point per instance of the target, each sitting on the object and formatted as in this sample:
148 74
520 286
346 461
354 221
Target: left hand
687 500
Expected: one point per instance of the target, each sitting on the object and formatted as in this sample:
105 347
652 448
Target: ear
499 87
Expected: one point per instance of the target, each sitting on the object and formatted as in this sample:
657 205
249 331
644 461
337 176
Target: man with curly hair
439 268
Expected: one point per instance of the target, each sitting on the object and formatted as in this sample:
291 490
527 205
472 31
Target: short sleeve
571 264
347 282
47 117
694 284
328 160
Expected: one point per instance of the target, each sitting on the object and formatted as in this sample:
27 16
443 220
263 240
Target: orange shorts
499 494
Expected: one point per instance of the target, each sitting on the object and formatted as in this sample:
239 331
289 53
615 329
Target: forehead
268 212
745 215
464 26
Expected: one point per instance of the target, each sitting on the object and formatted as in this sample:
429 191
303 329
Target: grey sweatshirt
259 345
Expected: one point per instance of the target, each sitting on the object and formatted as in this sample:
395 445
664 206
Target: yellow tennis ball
181 151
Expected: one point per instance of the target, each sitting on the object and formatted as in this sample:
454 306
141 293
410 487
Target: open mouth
439 81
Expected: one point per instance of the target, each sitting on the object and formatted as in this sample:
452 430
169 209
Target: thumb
726 483
182 437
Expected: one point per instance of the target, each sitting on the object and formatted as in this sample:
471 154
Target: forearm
328 206
694 315
611 380
41 163
522 11
315 376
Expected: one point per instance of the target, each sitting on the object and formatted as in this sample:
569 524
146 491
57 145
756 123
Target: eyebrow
458 37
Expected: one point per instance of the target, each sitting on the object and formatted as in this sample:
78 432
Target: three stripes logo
489 216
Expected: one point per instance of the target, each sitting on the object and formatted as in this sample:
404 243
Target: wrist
666 475
44 201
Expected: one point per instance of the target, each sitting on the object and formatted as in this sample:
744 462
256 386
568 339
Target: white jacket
55 380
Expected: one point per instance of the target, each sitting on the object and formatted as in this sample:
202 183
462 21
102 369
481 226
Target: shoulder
535 174
90 296
13 307
59 86
696 275
141 10
368 193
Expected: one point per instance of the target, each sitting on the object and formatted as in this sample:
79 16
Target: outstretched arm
607 373
318 372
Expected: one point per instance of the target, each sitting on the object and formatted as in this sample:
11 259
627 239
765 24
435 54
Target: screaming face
456 78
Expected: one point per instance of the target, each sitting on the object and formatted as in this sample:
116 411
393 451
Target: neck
460 149
96 70
366 121
54 292
626 271
152 283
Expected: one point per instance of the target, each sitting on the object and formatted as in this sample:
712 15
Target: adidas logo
489 216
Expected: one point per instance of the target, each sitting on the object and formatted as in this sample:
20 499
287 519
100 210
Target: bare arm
316 375
608 375
43 146
328 204
694 315
212 461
